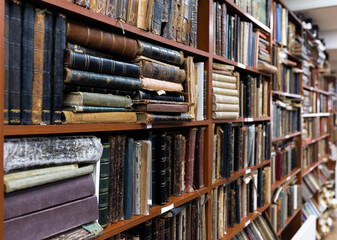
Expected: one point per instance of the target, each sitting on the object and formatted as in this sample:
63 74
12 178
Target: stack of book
286 200
284 160
253 96
173 19
34 42
280 24
262 58
43 179
187 221
311 208
225 98
309 155
310 186
286 118
148 171
234 201
260 228
239 146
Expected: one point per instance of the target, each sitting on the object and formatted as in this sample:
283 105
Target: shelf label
287 136
149 126
311 169
240 65
288 178
248 171
168 208
247 223
149 201
311 88
249 120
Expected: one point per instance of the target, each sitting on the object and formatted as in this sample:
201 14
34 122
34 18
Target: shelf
285 94
239 66
18 130
310 168
82 14
239 173
314 89
231 232
244 120
306 115
286 137
288 220
231 5
155 211
285 179
311 141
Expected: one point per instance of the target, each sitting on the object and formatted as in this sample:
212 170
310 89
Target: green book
104 185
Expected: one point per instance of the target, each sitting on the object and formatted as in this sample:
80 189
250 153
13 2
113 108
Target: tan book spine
141 13
225 107
175 20
93 5
180 20
221 209
157 85
225 115
131 16
224 78
102 117
101 7
223 85
144 176
148 16
225 99
227 92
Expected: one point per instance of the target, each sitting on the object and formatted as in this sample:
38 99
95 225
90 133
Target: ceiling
324 14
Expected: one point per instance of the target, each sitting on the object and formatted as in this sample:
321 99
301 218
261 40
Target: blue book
128 186
278 23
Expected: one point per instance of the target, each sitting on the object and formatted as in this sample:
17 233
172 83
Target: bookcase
203 53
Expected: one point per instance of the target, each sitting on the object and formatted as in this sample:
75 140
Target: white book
200 99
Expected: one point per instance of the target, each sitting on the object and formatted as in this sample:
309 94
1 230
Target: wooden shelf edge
231 232
288 220
238 174
285 179
309 142
314 89
295 134
311 168
285 94
243 120
307 115
155 211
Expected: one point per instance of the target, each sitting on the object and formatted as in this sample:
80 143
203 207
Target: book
158 107
151 84
148 118
104 185
74 88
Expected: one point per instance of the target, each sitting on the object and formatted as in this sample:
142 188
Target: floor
333 234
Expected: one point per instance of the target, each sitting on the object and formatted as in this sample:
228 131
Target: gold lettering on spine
88 36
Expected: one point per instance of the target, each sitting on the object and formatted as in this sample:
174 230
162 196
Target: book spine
194 26
102 117
74 88
131 17
163 72
180 19
88 109
162 167
57 82
200 175
91 79
108 7
83 3
6 117
121 11
186 22
168 12
157 16
189 166
158 85
155 96
177 164
175 20
104 186
84 50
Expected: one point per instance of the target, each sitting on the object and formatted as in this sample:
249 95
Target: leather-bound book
101 40
84 50
157 16
149 15
168 166
132 10
93 5
154 69
128 181
141 14
57 68
109 8
194 23
179 141
67 88
221 209
144 176
6 62
198 167
230 151
151 84
148 118
218 29
148 229
76 233
175 19
101 117
121 178
189 160
237 149
163 145
161 108
188 222
215 205
104 185
14 51
136 176
83 3
79 61
27 63
90 79
180 19
224 28
174 97
111 204
160 53
55 217
237 185
121 10
155 167
168 18
47 68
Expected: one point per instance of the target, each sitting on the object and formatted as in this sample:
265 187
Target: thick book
144 172
101 40
189 160
88 231
14 64
128 181
52 194
108 8
91 63
168 96
161 108
168 19
99 117
6 61
74 88
84 50
90 79
148 118
58 56
121 10
94 109
151 84
96 99
132 10
179 159
40 151
51 221
199 158
104 185
27 63
157 16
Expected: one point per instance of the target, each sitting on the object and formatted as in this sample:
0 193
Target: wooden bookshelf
285 179
311 141
288 136
310 168
290 95
288 220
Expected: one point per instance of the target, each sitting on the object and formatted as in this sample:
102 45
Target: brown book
266 67
149 15
141 14
121 178
37 88
101 117
179 145
114 159
180 20
175 19
189 160
201 137
186 21
93 5
144 176
131 15
101 40
188 222
172 108
111 205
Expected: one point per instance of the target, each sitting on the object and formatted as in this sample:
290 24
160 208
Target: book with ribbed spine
104 185
157 16
132 10
88 109
108 7
159 85
168 19
121 10
74 88
128 181
142 95
148 118
100 117
6 62
83 3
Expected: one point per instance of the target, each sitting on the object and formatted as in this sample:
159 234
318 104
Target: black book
248 96
196 161
148 229
168 157
259 188
162 167
167 26
237 186
157 16
6 119
121 10
237 149
154 139
224 149
230 150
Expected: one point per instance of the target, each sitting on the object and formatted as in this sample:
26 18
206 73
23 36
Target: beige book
218 155
225 115
223 78
141 14
225 99
191 81
222 91
159 85
148 16
23 183
266 67
265 98
244 199
215 213
102 117
144 176
36 172
223 85
225 107
221 209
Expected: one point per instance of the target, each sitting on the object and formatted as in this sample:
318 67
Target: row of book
311 208
286 118
235 200
310 186
322 103
311 128
309 74
309 155
239 146
286 200
173 19
260 228
51 176
280 24
309 101
323 148
284 159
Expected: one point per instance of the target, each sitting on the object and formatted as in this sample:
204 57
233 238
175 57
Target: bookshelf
204 52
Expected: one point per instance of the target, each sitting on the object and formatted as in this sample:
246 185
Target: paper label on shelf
149 126
311 169
149 201
249 120
287 136
247 223
311 88
240 65
248 171
288 178
168 208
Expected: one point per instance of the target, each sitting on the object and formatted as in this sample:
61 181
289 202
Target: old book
226 92
225 115
101 40
74 88
149 15
72 211
265 67
158 85
222 107
221 210
160 53
141 14
148 118
175 19
168 10
75 60
128 181
199 169
223 85
87 231
27 63
224 78
112 181
94 109
38 151
164 108
194 24
186 22
84 50
215 213
121 167
96 99
121 10
180 19
103 199
91 79
132 12
93 5
155 69
191 86
157 16
83 3
179 158
100 117
6 61
168 96
225 99
189 165
144 176
109 8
